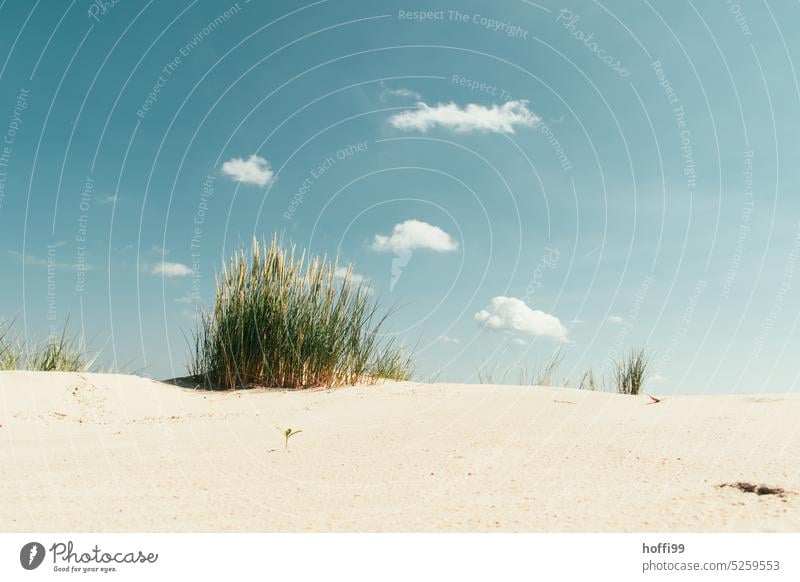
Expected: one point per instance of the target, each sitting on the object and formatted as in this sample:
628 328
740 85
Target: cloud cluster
511 314
412 235
473 117
253 170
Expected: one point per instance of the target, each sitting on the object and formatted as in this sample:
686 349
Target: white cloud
519 342
356 278
168 269
511 314
658 379
473 117
253 170
402 92
158 250
50 261
615 319
193 314
106 199
414 234
449 340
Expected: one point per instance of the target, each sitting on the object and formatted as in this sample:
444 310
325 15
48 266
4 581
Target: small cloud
191 314
185 299
473 117
254 170
511 314
35 261
412 235
106 199
158 250
658 379
402 93
615 319
356 278
519 342
449 340
168 269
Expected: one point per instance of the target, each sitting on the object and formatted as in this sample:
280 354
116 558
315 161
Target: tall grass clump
290 321
57 354
631 371
9 356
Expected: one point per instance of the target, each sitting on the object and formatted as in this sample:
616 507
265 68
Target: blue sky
513 177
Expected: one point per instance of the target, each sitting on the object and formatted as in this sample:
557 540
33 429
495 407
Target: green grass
544 373
486 376
57 354
9 354
631 371
588 382
288 321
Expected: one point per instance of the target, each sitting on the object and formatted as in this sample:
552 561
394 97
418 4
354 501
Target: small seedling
289 433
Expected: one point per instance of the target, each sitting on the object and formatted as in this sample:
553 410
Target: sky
511 179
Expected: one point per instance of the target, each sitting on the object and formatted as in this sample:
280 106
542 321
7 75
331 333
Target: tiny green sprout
289 433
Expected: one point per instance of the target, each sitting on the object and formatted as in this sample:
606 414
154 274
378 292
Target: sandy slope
119 453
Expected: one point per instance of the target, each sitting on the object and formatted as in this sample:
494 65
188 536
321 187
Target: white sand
97 452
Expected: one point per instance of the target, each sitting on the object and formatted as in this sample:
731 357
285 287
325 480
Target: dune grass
487 376
9 355
544 373
631 371
289 321
57 354
589 382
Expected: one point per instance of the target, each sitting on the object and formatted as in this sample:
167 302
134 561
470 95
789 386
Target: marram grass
57 354
631 371
288 321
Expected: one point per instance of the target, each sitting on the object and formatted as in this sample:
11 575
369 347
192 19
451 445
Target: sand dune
100 452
